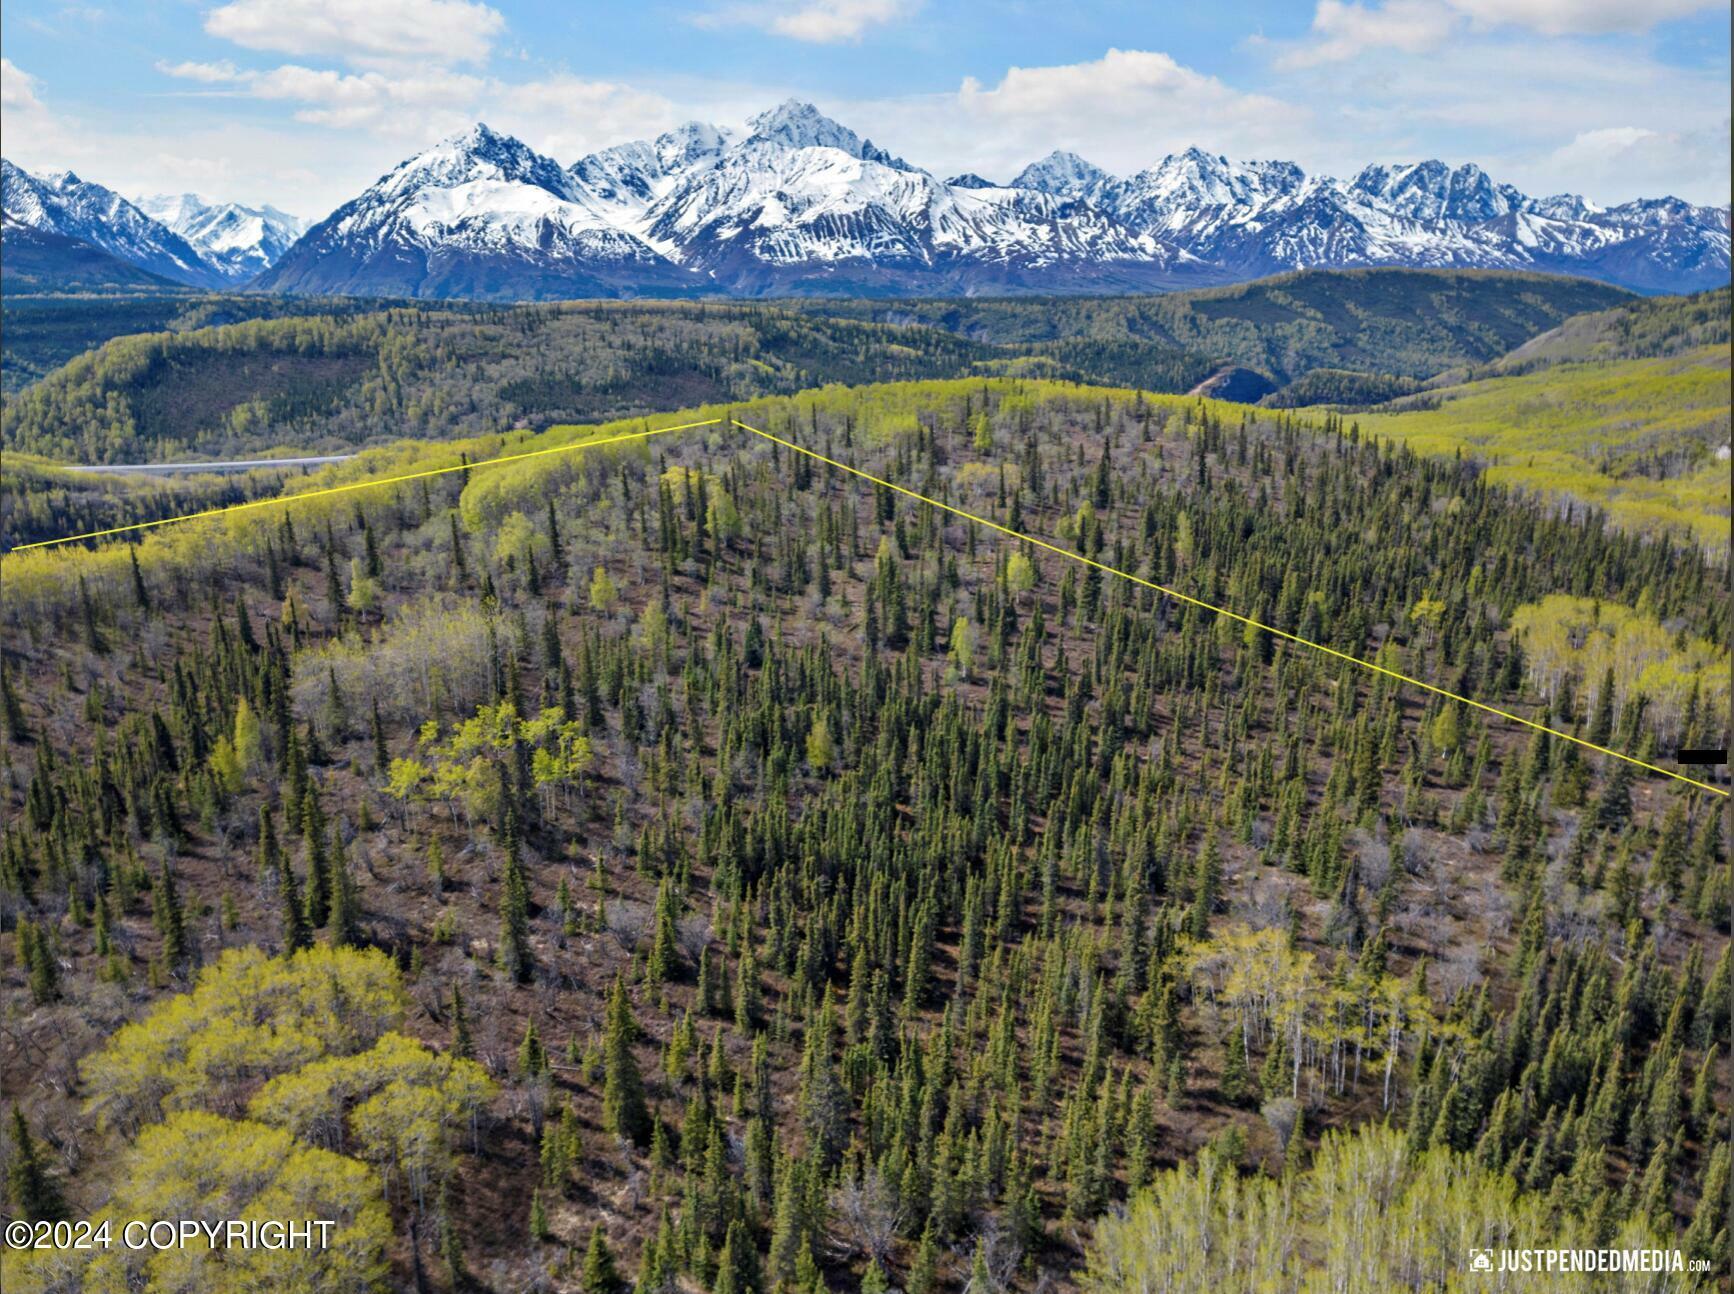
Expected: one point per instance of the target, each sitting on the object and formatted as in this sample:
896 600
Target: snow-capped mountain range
182 239
61 203
799 204
238 241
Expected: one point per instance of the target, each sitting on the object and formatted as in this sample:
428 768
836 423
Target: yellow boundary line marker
1176 594
1233 615
283 501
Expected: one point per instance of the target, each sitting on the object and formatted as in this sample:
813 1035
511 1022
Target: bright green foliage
820 748
201 1167
603 593
396 1104
1634 437
1581 642
249 1017
1368 1216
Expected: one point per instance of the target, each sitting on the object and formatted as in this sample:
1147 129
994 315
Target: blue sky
303 102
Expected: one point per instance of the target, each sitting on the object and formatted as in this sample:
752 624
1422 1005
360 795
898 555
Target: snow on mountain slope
1065 175
1431 191
61 203
480 214
238 241
802 200
800 203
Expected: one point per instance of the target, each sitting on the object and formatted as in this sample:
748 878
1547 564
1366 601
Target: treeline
1648 328
1341 387
40 500
327 382
161 395
841 898
45 331
1411 323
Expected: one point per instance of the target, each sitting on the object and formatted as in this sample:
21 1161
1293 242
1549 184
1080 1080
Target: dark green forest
1411 323
684 865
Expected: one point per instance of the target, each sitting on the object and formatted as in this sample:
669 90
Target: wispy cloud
1123 111
1343 29
17 88
443 31
823 22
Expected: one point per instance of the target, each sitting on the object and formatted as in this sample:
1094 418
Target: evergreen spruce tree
624 1111
516 958
600 1275
532 1056
664 946
738 1263
30 1189
313 832
461 1043
292 918
169 919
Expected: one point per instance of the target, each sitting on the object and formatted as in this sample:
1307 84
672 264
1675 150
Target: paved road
234 465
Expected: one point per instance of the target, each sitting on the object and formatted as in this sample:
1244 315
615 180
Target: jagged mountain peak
802 203
691 141
1431 191
1063 174
1212 179
795 123
479 153
63 204
238 240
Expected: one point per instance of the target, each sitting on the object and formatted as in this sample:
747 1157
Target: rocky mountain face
239 242
63 205
799 204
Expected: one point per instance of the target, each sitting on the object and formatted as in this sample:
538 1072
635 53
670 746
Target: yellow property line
285 500
1163 589
1233 615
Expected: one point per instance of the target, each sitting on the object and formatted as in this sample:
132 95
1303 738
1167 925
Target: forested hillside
44 331
1644 440
1653 328
683 865
1377 327
1409 323
326 383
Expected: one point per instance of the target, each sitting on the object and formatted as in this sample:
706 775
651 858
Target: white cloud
35 137
823 22
221 73
1635 159
1346 29
1343 31
1514 101
568 116
401 105
1123 111
1581 17
1128 83
369 33
17 89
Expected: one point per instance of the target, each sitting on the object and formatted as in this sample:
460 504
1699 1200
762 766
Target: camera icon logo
1480 1260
